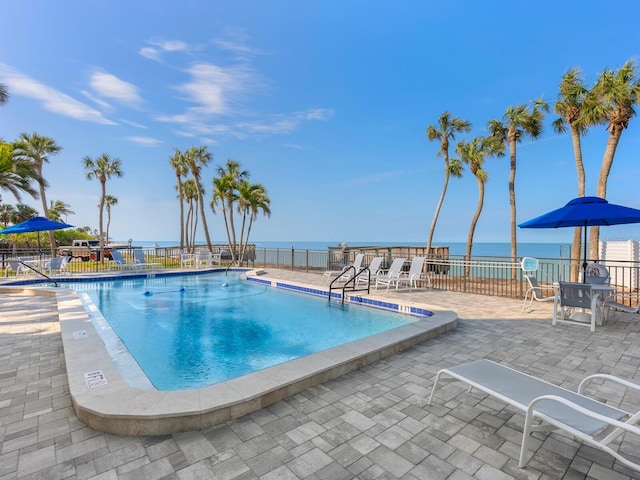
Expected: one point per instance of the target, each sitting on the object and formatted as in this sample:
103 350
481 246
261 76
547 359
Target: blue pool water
193 331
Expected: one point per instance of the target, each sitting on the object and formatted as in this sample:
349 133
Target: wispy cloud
109 86
156 48
145 141
134 124
51 99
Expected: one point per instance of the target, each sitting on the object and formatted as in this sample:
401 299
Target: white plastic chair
371 272
415 273
347 272
535 292
141 262
394 272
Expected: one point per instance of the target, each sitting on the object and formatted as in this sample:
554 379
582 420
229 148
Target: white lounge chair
371 271
58 264
347 272
394 272
16 267
141 262
614 302
571 296
549 407
187 259
120 262
535 290
413 275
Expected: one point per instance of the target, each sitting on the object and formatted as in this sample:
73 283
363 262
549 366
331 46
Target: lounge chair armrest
605 376
584 411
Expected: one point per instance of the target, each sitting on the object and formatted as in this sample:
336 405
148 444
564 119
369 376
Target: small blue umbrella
585 212
35 224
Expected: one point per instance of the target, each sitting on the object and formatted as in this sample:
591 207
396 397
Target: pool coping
104 401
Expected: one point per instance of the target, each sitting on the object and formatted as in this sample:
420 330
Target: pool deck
367 423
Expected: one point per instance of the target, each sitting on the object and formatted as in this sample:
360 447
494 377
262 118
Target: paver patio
371 423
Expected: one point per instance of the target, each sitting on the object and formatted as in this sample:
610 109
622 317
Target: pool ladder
351 283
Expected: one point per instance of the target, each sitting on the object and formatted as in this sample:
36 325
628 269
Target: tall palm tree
57 209
37 149
102 168
474 154
569 107
190 193
16 174
179 164
252 198
4 94
444 132
109 201
517 123
197 158
614 97
225 191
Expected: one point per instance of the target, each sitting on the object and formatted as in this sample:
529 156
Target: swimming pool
192 331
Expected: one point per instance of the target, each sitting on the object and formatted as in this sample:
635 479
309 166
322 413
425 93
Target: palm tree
225 191
4 94
517 122
109 201
7 213
252 198
102 168
614 97
190 193
474 154
197 158
444 132
16 174
57 209
37 150
569 107
179 164
24 212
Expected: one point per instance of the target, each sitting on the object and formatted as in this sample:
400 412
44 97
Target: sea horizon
480 249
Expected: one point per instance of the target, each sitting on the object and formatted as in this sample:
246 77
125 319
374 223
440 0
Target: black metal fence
497 276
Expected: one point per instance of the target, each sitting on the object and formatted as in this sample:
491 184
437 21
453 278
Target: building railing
497 276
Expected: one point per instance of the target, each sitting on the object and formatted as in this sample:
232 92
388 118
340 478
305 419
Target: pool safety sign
95 379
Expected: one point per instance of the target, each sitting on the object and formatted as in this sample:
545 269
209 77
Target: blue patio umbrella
585 212
35 224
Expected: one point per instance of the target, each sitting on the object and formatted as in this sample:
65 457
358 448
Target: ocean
536 250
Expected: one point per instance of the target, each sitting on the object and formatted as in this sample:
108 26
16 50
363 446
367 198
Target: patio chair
204 258
346 272
614 302
58 264
394 272
187 259
141 262
549 407
535 291
16 267
371 271
411 278
120 262
576 295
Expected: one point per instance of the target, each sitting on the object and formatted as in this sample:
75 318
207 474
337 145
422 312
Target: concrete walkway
369 424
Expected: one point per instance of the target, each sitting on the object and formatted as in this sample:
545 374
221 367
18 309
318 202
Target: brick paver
371 423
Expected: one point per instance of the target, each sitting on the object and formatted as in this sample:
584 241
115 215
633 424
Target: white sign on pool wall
624 256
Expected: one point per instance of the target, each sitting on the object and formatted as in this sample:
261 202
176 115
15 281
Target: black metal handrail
37 271
351 281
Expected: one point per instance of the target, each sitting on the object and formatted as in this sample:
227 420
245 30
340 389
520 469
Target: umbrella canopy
585 212
35 224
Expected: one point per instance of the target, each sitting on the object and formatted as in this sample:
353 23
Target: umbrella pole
584 262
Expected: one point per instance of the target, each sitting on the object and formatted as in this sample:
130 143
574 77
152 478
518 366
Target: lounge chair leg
433 390
526 436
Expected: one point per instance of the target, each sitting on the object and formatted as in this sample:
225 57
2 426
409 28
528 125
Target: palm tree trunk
100 222
607 162
233 231
576 248
512 205
45 209
472 228
438 207
182 225
204 219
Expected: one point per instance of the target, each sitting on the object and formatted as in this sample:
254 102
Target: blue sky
325 103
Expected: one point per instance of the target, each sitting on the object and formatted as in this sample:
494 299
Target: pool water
196 330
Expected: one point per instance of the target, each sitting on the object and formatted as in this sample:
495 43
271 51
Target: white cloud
101 103
134 124
158 47
145 141
109 86
51 99
319 114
